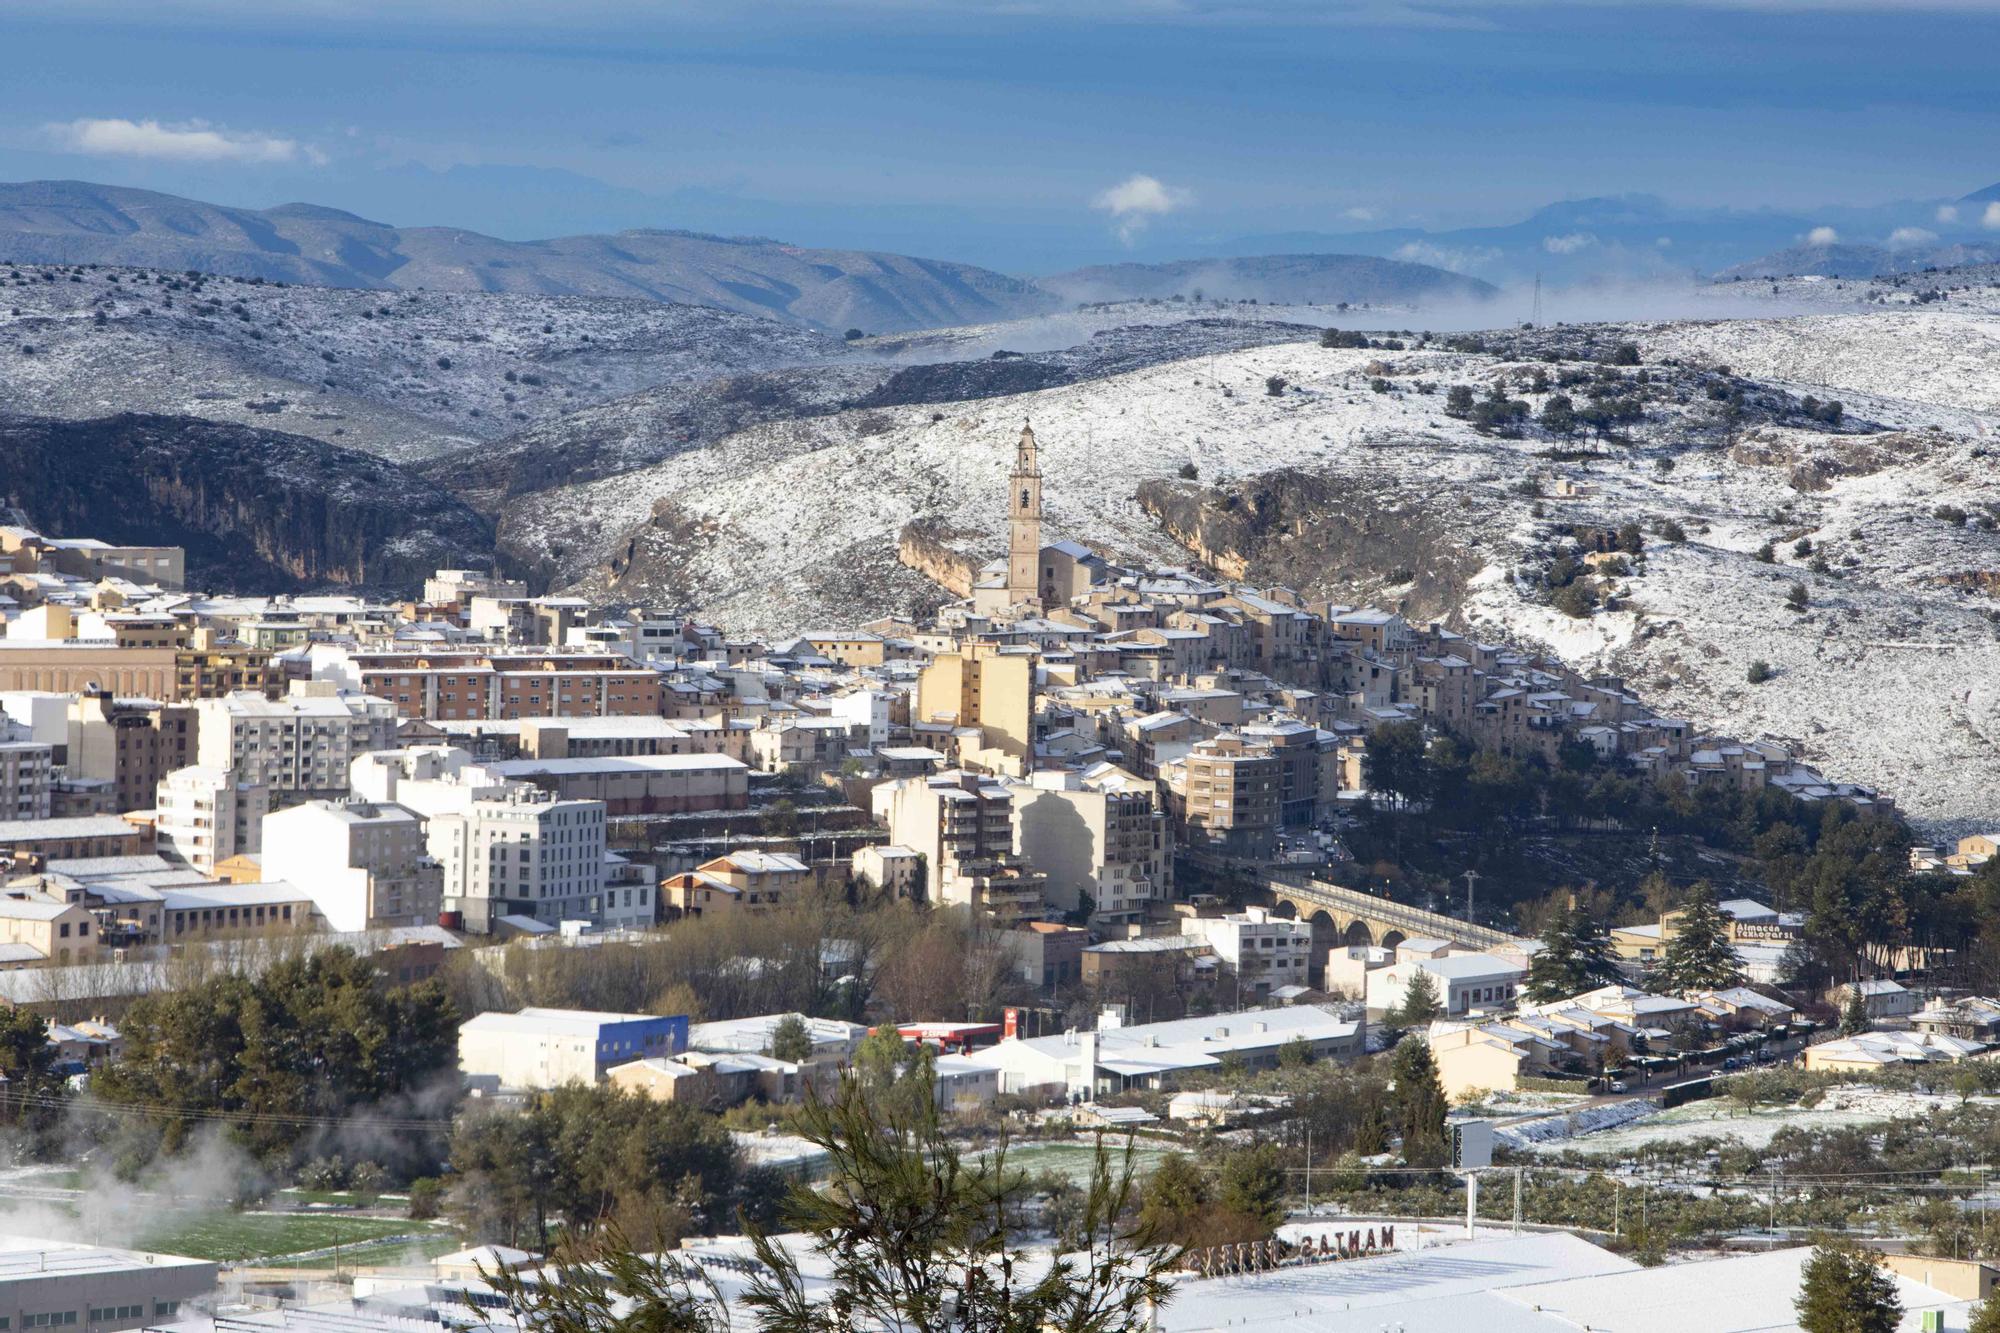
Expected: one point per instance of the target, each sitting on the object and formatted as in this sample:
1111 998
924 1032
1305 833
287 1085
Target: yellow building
738 882
989 688
858 649
37 929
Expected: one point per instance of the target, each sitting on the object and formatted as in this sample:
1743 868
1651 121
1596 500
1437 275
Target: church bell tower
1024 523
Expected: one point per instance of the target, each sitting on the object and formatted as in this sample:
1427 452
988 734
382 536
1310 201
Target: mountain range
74 222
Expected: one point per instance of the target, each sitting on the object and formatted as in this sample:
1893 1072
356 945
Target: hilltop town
1144 849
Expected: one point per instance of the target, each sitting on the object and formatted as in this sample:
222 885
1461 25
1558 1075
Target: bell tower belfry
1024 523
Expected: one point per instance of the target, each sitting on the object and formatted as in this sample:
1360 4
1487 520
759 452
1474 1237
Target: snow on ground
1891 677
1929 359
1587 1120
405 374
1842 1108
779 1150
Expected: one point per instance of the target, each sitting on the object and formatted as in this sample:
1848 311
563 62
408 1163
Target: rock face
1322 533
926 548
257 511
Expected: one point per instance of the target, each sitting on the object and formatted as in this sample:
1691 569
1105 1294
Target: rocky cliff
1324 533
258 511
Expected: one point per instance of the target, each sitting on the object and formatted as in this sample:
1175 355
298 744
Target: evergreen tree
1419 1102
1253 1183
790 1041
1699 956
1393 763
1559 415
1845 1291
910 1234
1420 1001
1985 1317
1854 1014
28 1072
1575 957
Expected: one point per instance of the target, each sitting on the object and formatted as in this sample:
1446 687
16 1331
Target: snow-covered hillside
1890 676
402 374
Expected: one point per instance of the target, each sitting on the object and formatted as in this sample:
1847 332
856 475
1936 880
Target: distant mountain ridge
1839 260
1317 278
71 222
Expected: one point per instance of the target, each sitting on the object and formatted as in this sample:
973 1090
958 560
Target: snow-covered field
1842 1108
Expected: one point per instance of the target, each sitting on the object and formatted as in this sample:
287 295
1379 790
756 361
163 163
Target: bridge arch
1357 935
1393 938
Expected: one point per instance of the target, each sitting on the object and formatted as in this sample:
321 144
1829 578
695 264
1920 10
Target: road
1786 1050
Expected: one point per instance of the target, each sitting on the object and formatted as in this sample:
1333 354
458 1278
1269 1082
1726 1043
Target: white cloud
1947 213
1664 242
1359 214
194 141
1992 219
1904 237
1822 236
1570 244
1137 200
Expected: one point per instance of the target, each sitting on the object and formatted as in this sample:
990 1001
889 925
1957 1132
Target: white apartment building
27 774
365 864
1262 951
872 709
207 815
506 848
299 746
1464 982
1100 832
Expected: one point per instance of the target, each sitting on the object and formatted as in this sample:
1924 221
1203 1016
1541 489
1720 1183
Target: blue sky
998 132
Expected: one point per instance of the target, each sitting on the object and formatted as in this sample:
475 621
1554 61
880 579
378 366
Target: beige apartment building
962 824
129 743
39 929
299 746
208 815
1101 834
1225 796
739 882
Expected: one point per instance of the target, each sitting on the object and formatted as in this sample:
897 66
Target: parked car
1618 1086
1732 1063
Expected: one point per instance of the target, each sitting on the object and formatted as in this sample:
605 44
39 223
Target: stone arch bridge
1354 919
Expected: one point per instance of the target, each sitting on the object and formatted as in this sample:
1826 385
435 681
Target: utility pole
1517 1200
1471 878
1309 1168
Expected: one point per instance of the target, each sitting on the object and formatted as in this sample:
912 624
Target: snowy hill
404 374
76 222
1891 675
